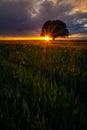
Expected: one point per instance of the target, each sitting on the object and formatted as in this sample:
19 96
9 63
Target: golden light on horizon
22 38
47 38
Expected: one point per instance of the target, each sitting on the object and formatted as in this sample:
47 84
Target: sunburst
47 38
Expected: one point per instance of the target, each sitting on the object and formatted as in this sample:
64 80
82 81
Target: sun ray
47 38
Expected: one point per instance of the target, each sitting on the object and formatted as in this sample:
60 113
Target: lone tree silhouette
55 28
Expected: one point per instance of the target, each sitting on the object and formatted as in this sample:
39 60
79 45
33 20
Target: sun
47 38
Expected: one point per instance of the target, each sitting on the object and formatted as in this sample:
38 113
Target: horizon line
38 38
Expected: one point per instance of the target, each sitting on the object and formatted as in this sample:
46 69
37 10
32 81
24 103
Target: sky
24 18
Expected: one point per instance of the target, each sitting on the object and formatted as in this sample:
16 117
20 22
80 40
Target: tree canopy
55 28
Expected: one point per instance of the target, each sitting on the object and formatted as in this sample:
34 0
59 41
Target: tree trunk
53 39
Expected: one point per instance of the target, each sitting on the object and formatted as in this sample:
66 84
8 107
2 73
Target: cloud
15 17
61 10
25 17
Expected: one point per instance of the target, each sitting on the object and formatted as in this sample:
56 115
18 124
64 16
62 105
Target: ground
43 85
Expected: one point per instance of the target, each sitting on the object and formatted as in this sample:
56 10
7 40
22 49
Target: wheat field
43 85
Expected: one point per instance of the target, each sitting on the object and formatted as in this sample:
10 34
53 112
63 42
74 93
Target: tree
55 28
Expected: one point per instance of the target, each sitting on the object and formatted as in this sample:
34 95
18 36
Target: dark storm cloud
15 17
26 17
76 23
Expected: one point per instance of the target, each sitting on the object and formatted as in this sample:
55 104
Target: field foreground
43 85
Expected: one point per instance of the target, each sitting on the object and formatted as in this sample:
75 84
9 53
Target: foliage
54 29
43 90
